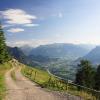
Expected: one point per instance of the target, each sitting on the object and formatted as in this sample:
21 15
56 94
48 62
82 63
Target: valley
44 74
61 59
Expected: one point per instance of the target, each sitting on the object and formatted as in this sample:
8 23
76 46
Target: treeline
4 56
87 75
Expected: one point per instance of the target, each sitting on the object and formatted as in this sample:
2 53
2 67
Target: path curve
24 89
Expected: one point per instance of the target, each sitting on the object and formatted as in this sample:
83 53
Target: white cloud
31 25
17 16
15 30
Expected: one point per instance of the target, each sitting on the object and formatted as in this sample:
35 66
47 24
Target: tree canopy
85 74
3 49
97 78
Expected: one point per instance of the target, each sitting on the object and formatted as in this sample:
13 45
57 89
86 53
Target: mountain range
18 54
60 50
56 57
53 52
60 59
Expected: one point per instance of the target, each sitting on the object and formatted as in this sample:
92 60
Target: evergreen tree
85 74
97 79
3 50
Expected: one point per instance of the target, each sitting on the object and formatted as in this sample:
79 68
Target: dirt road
23 89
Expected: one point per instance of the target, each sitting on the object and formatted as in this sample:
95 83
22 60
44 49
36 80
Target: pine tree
3 49
85 74
97 79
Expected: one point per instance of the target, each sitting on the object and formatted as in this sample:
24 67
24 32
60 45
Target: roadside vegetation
89 77
36 75
44 79
4 62
3 68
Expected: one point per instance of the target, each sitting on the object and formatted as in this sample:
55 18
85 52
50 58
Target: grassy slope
3 69
45 80
39 76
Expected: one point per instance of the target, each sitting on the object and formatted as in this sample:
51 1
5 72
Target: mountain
16 53
26 49
60 50
88 47
93 55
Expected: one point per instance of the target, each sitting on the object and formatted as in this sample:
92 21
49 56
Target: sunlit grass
3 68
46 80
37 75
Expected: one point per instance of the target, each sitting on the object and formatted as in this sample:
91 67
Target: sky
39 22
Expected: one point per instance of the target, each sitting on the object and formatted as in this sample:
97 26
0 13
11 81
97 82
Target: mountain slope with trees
16 53
93 56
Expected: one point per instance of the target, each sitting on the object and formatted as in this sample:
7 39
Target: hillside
26 49
60 50
16 53
93 56
52 82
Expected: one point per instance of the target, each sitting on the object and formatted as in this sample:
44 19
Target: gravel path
23 89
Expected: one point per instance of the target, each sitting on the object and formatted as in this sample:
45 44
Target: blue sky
36 22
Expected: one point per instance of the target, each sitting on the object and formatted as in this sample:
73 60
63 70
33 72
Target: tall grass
37 75
3 68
